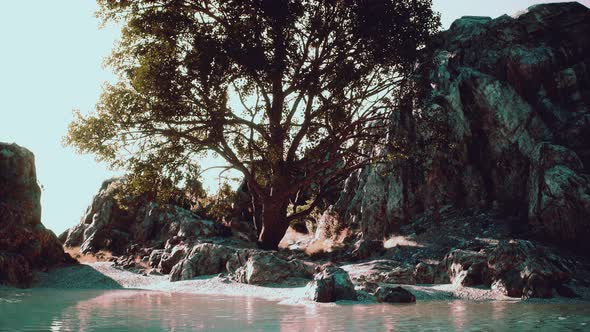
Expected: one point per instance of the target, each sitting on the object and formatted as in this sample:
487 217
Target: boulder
425 273
520 268
250 266
466 267
162 222
265 267
516 268
168 260
394 295
203 259
25 244
330 285
381 271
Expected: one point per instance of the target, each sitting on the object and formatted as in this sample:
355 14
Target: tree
289 92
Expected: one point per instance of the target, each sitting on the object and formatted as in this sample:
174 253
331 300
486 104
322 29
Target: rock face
114 221
24 243
505 124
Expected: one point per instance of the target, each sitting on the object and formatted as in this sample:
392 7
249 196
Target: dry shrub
292 236
319 247
100 256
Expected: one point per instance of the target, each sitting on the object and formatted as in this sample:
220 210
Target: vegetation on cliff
302 85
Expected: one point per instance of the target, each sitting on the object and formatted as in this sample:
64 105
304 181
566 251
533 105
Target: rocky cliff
118 222
24 243
503 126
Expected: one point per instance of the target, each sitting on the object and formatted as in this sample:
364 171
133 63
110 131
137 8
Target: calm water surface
128 310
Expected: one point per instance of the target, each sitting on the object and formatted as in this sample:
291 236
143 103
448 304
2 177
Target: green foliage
219 206
301 85
307 220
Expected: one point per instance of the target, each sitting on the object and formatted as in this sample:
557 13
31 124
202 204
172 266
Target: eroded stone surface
115 221
504 125
25 244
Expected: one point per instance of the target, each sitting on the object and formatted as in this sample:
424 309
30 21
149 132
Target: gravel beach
103 275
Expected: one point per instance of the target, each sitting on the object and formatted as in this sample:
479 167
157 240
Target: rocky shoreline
477 250
105 276
497 209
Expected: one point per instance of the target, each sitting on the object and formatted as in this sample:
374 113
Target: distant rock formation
505 125
117 222
25 244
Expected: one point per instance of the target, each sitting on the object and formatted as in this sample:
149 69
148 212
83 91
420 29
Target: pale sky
50 63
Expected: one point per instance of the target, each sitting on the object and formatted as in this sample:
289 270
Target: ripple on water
71 310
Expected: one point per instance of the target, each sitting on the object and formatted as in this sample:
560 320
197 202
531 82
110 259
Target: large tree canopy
289 92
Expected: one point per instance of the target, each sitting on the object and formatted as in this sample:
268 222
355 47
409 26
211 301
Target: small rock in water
565 291
394 295
332 284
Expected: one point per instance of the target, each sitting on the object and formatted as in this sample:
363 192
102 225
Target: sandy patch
103 275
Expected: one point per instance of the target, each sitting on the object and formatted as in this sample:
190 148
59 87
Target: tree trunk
274 225
256 211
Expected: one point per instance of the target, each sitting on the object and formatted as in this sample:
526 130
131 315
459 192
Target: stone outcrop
25 244
504 123
203 259
517 268
250 266
381 271
115 220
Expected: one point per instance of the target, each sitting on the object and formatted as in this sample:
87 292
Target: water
128 310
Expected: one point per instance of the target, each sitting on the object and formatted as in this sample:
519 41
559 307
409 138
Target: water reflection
63 310
458 313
